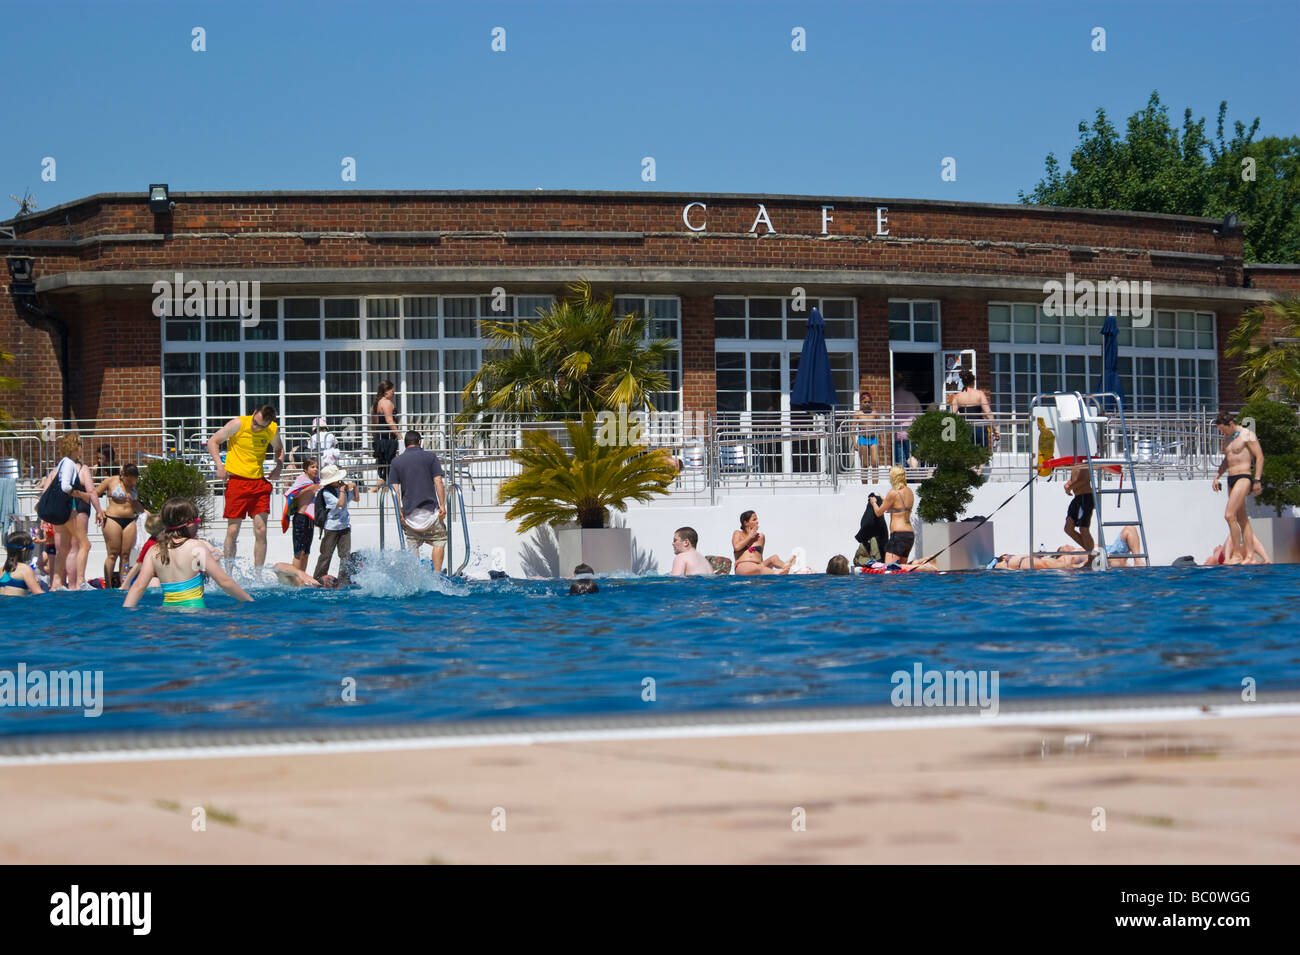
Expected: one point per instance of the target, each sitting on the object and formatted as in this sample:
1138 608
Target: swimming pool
420 648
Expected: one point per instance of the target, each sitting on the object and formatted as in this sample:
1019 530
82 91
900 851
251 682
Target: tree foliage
1155 167
944 441
1268 370
166 478
7 384
556 486
1278 430
577 357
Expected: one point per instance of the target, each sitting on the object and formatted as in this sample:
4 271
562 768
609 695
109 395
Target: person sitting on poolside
181 561
1128 542
688 561
747 547
18 579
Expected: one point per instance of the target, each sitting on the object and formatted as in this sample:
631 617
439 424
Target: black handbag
56 505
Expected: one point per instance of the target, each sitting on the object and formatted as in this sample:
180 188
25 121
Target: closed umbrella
1109 380
814 388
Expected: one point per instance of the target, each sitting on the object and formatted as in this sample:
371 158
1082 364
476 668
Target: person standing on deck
248 493
899 501
383 429
1078 517
1239 446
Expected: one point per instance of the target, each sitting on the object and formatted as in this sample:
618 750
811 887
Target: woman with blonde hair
72 537
898 504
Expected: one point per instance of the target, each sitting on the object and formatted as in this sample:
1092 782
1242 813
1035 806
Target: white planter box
605 549
972 553
1280 537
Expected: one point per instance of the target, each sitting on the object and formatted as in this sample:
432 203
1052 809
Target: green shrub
944 441
160 480
1278 430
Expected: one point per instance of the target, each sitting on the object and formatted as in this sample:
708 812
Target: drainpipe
25 300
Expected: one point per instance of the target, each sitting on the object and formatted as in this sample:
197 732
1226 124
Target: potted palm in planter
944 441
561 488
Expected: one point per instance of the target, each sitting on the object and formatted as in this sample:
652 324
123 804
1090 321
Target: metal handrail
397 515
454 494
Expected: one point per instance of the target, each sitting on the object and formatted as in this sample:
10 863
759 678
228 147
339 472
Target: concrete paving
1191 791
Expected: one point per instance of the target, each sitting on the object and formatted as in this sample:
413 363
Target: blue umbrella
1109 380
814 388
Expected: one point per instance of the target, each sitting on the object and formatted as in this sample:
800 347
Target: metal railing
719 453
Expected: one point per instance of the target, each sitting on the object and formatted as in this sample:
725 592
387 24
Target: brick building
360 286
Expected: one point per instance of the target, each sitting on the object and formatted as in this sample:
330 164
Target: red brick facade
115 340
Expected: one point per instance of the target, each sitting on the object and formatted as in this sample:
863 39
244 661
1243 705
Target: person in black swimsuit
383 429
973 405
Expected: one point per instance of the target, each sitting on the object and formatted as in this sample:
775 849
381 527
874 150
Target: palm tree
556 486
7 384
577 357
1269 368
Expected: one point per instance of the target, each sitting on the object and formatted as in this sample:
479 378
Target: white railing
719 452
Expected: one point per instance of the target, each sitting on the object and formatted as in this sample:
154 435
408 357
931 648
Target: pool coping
40 749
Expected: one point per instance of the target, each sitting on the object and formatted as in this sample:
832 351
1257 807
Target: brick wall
965 324
873 349
699 381
34 348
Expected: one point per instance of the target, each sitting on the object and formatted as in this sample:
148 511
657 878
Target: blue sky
712 90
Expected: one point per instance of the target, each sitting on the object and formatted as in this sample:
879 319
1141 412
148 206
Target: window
262 379
461 317
342 318
913 321
664 322
775 319
267 327
1168 366
222 381
302 319
383 318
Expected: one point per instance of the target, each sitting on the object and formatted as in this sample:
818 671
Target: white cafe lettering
764 217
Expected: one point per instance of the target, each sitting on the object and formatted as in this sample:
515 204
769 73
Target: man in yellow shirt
248 493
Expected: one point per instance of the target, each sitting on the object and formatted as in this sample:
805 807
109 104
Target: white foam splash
397 573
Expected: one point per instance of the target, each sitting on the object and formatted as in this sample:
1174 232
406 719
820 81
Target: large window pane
262 380
459 366
999 323
1024 319
342 318
301 319
383 317
460 317
267 327
421 321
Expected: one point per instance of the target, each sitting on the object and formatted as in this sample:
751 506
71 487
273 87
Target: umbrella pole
835 456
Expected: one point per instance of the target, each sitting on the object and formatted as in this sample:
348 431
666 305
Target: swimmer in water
181 561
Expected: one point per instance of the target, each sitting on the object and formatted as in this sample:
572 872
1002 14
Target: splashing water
398 573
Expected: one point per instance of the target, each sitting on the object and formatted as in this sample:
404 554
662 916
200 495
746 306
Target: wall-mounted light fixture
160 202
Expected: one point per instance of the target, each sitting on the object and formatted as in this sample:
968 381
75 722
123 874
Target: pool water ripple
422 649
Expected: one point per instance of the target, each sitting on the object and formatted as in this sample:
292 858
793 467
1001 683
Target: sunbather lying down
1073 560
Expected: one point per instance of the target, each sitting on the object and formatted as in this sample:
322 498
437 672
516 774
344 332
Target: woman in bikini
119 523
181 561
18 579
899 501
747 545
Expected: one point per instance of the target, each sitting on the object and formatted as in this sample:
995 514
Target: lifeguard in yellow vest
248 493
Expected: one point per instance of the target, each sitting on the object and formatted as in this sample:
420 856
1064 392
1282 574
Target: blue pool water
422 649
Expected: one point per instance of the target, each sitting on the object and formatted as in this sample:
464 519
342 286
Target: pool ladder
1082 411
454 497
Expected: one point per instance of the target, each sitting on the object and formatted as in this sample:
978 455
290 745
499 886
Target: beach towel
872 529
8 504
291 502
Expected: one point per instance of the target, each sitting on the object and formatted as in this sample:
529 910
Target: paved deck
1203 790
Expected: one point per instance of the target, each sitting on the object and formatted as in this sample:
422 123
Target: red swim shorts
247 497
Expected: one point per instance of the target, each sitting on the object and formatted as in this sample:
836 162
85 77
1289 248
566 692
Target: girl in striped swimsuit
181 561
